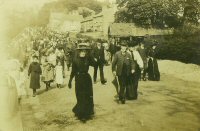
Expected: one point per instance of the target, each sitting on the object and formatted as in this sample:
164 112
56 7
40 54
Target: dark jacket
112 48
99 55
119 60
34 72
152 53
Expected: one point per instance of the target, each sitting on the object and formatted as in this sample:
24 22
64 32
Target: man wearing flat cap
122 67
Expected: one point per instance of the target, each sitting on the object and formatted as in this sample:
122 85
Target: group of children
53 68
48 71
51 73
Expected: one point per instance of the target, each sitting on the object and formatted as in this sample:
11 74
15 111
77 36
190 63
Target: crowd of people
131 63
50 54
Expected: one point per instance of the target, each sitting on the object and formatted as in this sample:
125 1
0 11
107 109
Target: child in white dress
59 74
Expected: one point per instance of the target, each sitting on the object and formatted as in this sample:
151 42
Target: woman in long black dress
34 72
131 91
153 70
84 108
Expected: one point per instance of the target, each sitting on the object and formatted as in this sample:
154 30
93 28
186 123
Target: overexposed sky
107 0
23 3
8 7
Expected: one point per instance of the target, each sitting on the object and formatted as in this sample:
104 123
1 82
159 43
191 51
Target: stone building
62 22
97 25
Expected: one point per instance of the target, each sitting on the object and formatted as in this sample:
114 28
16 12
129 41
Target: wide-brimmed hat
83 46
140 39
123 43
132 44
34 56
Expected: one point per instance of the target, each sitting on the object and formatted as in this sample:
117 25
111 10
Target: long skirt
153 71
48 75
131 90
84 95
59 75
35 80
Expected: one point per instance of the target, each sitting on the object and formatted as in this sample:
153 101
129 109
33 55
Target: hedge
183 45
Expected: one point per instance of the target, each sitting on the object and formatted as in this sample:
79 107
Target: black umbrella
116 84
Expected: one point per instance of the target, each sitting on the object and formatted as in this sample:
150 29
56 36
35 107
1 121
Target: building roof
129 29
98 15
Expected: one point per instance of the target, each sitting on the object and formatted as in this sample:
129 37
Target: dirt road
168 105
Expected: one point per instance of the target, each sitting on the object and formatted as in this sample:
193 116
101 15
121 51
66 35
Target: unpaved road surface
171 104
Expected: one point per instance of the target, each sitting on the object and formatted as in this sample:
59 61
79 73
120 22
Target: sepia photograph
100 65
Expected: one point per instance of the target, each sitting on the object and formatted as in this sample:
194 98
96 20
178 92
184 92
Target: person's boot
34 93
104 82
19 100
123 101
47 87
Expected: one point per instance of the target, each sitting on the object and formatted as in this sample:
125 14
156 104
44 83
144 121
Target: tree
191 11
85 12
158 13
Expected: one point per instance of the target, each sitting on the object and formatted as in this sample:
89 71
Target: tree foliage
85 11
183 45
158 13
191 11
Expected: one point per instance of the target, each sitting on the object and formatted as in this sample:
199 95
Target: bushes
183 45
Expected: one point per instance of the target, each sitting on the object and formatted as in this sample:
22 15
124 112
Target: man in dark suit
99 56
122 67
112 48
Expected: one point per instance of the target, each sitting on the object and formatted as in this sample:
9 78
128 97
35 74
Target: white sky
107 0
23 3
9 6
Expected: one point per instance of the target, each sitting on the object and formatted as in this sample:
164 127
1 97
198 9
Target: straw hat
123 43
83 46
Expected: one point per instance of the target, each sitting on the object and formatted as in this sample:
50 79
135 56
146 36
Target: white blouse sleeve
138 59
